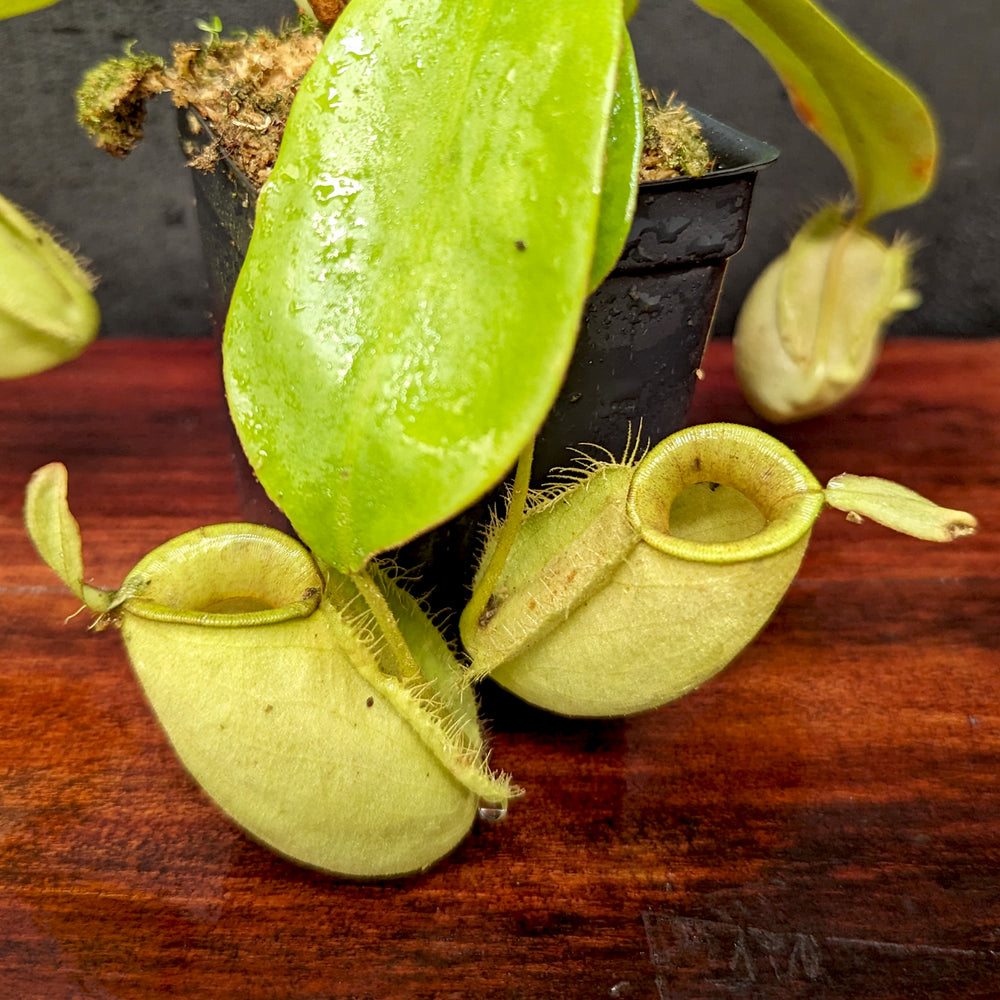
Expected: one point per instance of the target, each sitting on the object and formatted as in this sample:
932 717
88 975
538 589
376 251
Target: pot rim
738 152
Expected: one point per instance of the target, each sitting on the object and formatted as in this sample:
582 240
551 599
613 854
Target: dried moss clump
111 100
243 87
673 145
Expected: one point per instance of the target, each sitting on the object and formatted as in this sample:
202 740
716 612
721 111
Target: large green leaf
876 124
413 288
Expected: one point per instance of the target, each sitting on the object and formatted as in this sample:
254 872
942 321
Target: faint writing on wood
708 958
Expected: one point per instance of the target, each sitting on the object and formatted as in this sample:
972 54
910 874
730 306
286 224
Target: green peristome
47 312
811 328
635 585
281 699
877 125
11 8
420 261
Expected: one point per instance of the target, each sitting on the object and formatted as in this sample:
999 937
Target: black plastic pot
644 330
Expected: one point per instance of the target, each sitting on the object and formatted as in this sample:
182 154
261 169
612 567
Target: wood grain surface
821 820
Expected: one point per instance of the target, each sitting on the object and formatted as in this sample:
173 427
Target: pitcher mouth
722 493
226 576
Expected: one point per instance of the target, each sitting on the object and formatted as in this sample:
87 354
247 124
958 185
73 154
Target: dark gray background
135 220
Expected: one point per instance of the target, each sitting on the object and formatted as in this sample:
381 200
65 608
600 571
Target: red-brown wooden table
821 820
